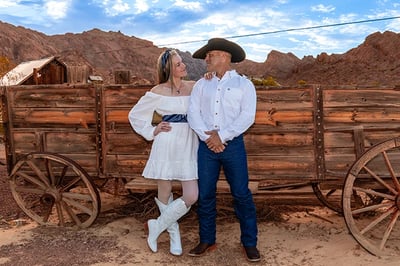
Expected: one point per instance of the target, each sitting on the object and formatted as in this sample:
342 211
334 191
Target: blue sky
187 24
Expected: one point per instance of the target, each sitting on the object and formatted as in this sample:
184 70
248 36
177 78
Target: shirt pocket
232 97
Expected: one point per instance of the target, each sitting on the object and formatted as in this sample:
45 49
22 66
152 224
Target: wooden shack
37 72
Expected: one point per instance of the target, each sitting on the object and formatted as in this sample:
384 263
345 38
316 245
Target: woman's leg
164 202
190 192
164 190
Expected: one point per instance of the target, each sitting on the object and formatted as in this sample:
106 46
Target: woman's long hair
164 66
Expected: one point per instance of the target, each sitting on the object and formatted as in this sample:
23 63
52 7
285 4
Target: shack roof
24 71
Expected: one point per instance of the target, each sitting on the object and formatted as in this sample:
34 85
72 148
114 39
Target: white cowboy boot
171 214
173 230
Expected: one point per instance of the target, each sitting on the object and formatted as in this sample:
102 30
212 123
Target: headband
165 57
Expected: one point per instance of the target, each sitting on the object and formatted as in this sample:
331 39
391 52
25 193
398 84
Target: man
221 109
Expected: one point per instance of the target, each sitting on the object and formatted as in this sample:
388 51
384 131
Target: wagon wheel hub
397 201
51 196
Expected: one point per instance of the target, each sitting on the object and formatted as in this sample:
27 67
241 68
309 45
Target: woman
173 153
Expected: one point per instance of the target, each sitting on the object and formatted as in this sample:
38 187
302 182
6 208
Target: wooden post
35 76
122 77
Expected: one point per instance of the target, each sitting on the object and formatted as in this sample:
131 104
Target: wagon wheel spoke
369 208
38 172
376 221
70 184
371 198
380 180
371 192
49 171
29 190
59 214
71 214
391 170
33 180
78 205
54 190
389 229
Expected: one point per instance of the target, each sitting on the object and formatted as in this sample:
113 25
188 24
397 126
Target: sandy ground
302 239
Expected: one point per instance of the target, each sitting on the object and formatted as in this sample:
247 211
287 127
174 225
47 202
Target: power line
291 29
252 34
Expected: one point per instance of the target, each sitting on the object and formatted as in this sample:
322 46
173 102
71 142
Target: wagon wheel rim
329 197
54 190
371 198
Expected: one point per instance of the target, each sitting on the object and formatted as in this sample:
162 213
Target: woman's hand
208 75
162 127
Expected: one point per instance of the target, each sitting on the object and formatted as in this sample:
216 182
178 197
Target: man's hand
214 142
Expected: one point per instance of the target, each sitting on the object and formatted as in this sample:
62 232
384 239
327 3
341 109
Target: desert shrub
302 82
5 65
270 81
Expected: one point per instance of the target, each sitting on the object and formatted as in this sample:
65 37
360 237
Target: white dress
173 154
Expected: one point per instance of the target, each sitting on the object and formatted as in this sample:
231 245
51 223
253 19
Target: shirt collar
229 74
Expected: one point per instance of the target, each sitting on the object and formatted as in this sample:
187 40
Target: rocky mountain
374 62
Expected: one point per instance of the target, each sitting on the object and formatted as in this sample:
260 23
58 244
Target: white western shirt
227 105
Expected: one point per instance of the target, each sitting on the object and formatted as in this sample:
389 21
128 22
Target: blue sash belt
175 118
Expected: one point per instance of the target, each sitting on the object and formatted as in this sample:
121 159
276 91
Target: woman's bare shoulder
159 89
190 82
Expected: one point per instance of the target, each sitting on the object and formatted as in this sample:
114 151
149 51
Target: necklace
178 90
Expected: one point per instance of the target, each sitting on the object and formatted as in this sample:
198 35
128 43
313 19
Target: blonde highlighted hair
164 65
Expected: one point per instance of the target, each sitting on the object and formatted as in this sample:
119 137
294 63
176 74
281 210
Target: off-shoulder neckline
167 95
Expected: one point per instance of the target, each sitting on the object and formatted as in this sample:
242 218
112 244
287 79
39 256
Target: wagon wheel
371 202
54 190
330 197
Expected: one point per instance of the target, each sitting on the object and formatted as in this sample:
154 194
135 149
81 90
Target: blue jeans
233 161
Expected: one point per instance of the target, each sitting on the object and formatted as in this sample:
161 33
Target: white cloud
116 7
188 5
120 7
57 9
141 6
323 8
6 3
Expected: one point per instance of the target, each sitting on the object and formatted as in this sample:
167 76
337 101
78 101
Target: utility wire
256 34
292 29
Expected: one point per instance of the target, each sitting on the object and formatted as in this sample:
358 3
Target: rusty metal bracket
319 148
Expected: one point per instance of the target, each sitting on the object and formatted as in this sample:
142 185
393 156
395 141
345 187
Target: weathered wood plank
35 117
82 96
129 143
361 115
123 96
383 98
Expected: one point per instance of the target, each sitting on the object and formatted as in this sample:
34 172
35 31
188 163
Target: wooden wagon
342 141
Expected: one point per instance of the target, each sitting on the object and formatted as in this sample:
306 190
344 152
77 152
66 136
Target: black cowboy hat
221 44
